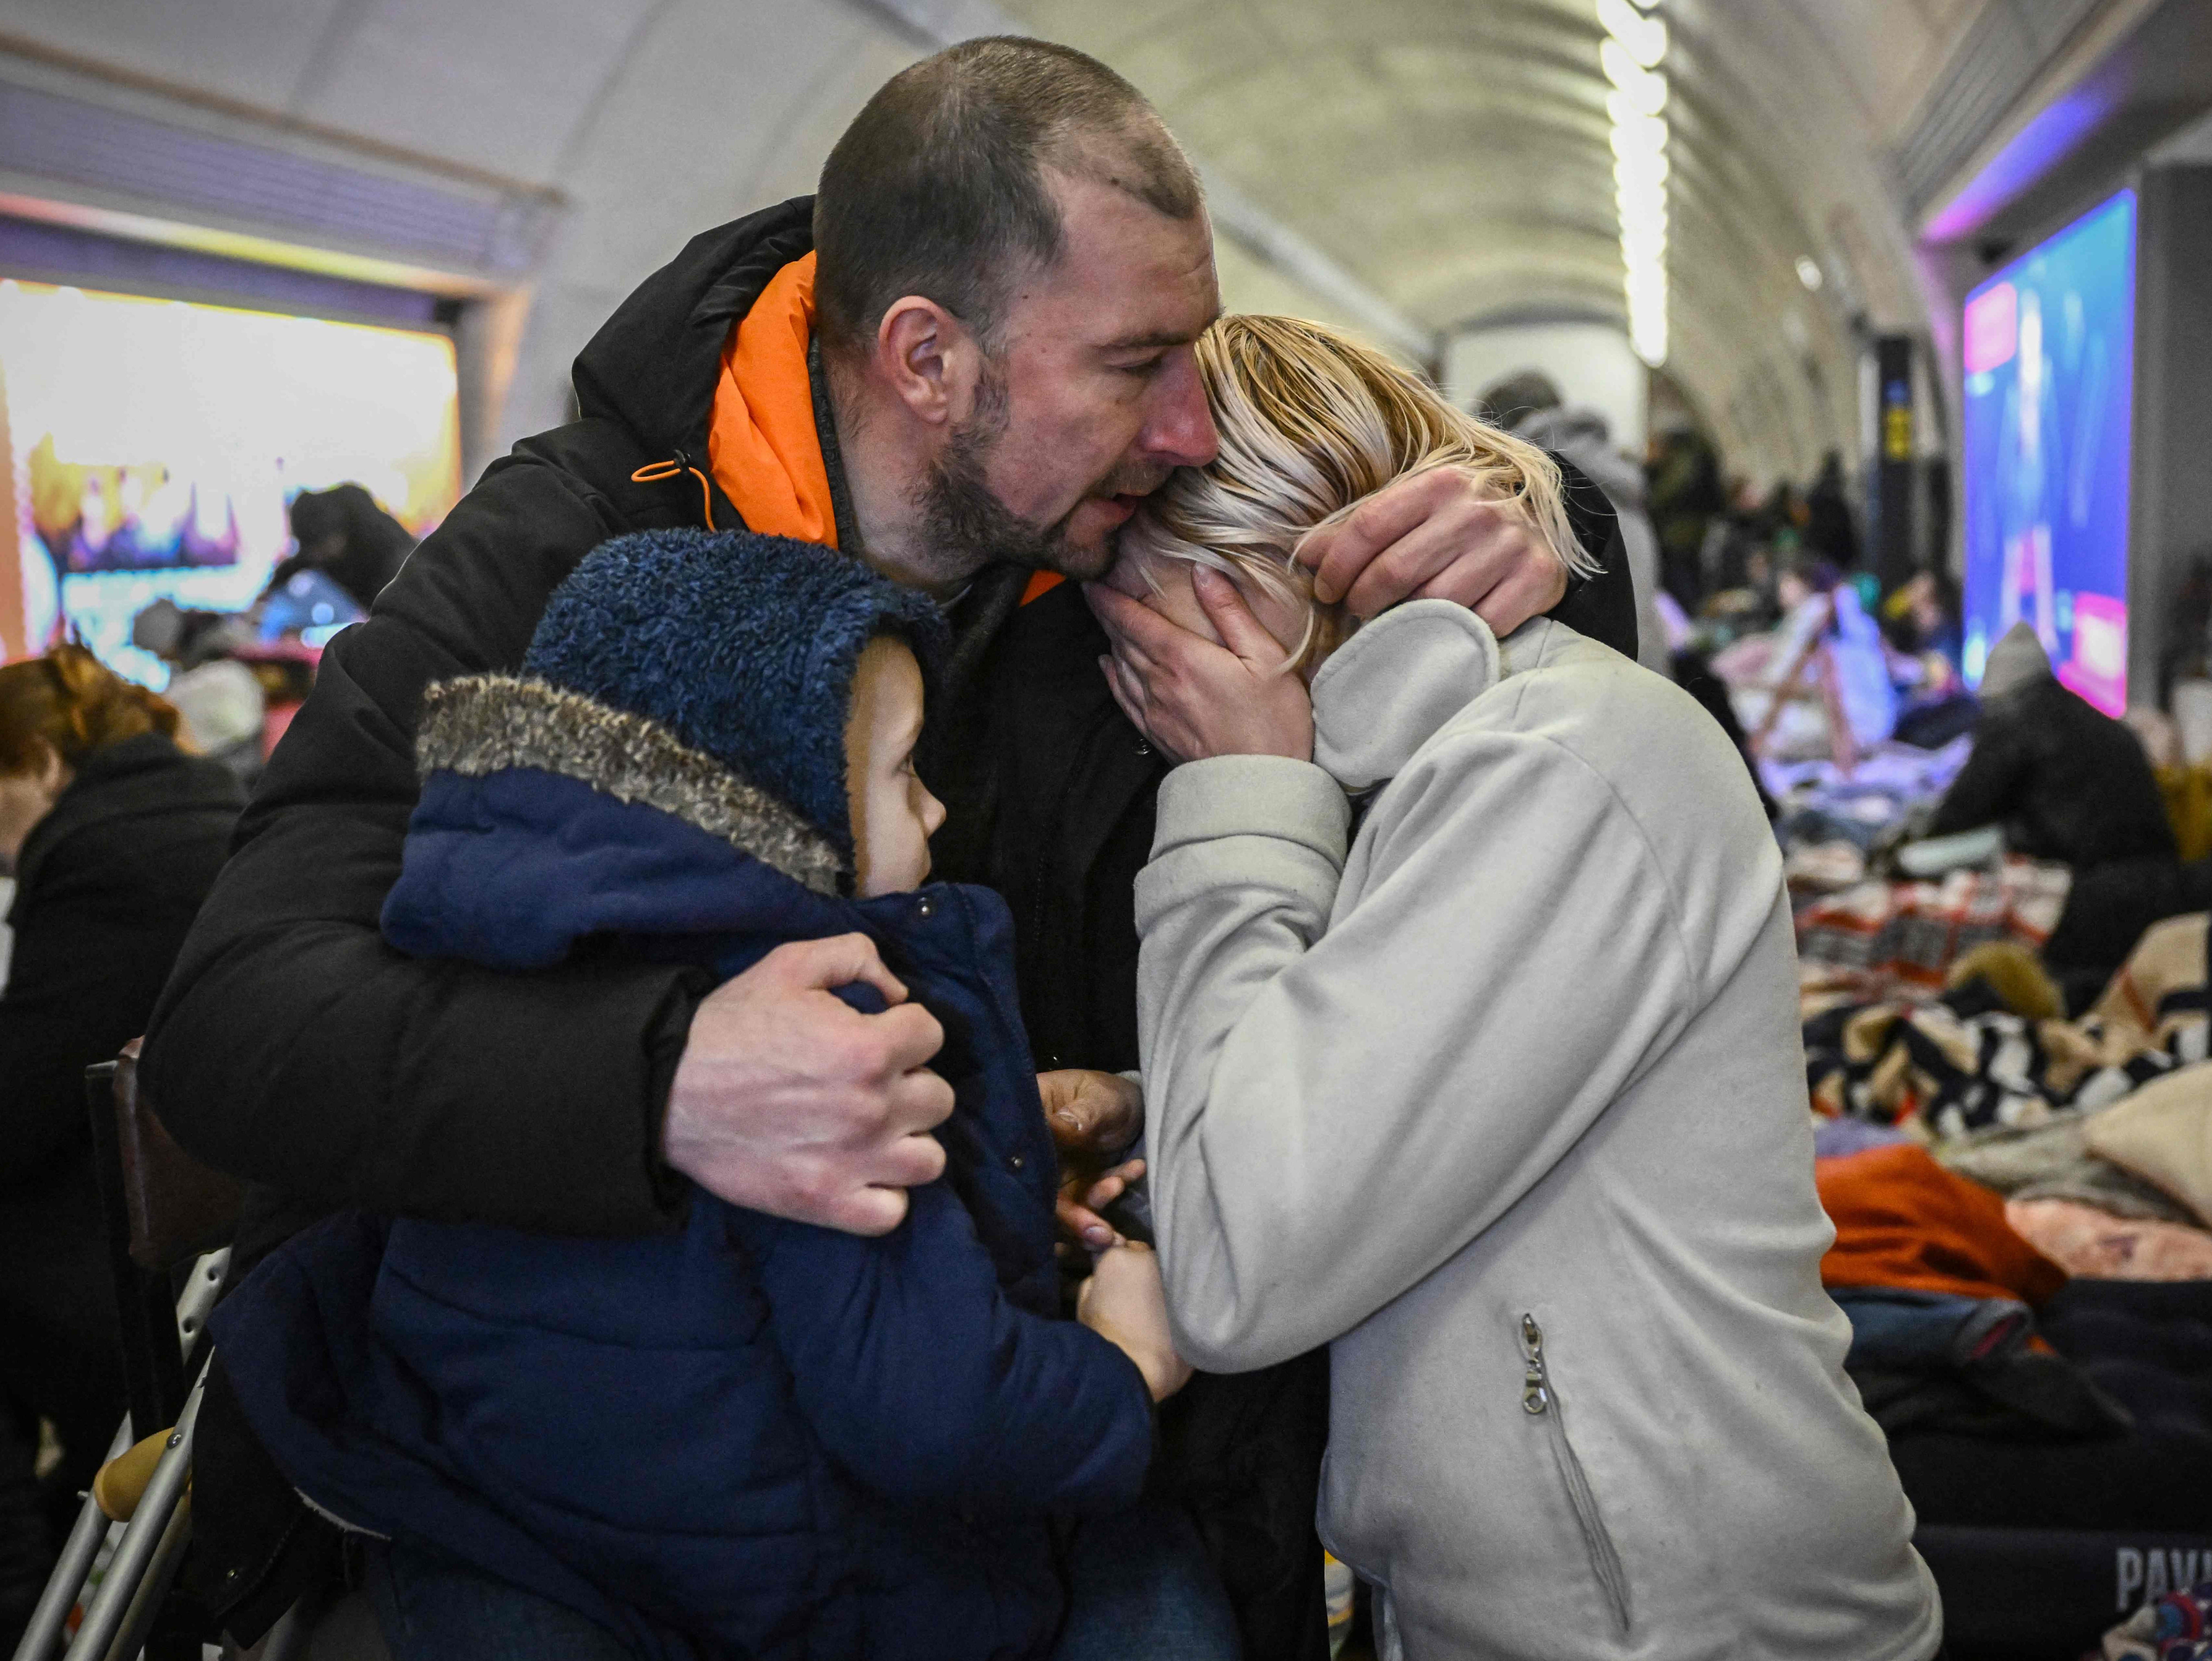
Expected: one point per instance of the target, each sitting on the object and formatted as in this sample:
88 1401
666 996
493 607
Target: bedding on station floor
2017 1154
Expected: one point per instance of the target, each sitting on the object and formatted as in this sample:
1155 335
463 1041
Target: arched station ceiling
1448 157
1455 158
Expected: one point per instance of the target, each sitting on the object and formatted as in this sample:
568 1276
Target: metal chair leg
142 1542
43 1636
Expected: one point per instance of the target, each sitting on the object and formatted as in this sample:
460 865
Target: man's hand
1194 699
1093 1117
1434 535
787 1100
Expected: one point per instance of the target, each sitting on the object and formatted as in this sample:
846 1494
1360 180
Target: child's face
893 813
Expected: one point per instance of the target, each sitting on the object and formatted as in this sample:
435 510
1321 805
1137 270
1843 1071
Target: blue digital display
2049 355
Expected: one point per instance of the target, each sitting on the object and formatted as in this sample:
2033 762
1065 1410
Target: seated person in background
342 533
754 1437
2066 781
1823 664
114 835
1468 1012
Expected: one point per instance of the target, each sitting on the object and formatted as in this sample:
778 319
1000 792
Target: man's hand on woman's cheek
1195 699
1435 535
788 1100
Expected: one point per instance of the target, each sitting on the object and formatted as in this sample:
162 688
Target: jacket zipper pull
1536 1384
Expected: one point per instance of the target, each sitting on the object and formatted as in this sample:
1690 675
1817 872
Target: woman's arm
1334 1114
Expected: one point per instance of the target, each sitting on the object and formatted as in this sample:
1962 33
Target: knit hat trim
479 725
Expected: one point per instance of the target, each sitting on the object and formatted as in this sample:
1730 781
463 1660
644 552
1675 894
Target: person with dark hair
964 362
113 836
1829 530
342 533
1686 497
1531 406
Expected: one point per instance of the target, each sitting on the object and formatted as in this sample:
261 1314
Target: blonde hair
69 703
1312 423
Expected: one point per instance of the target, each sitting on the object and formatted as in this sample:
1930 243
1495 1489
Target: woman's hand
1194 699
1126 1303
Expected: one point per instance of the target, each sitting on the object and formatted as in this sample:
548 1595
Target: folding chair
161 1209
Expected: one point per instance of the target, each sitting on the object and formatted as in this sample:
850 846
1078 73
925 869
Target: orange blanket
1902 1220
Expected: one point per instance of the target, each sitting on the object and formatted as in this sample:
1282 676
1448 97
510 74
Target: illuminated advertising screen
2050 379
156 444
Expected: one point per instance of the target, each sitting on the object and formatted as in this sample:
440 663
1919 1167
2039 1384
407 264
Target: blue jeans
1142 1587
434 1609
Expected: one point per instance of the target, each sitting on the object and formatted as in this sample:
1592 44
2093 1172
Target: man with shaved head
964 362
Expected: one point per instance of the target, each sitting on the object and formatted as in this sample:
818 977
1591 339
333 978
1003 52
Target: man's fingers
840 960
1338 553
1432 546
900 1041
910 1162
1529 589
869 1211
1232 619
917 1101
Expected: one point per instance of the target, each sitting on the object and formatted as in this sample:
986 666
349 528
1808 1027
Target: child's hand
1125 1303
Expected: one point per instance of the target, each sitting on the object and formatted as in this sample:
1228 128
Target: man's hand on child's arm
1126 1303
787 1100
1094 1117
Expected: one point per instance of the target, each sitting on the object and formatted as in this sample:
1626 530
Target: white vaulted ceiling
1455 156
1448 156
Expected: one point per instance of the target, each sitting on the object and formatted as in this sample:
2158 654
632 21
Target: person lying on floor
754 1437
1469 1026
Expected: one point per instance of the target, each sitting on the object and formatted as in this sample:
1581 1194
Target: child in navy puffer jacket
750 1437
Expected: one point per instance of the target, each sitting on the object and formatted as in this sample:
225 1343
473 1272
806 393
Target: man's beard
964 523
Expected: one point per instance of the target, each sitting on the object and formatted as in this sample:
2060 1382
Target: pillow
2163 1132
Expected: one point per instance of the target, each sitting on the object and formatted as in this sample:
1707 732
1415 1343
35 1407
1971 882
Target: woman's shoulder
1564 684
1660 752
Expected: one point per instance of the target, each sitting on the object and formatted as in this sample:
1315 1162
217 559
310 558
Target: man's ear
928 358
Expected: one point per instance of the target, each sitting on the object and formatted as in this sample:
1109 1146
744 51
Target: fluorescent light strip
1631 55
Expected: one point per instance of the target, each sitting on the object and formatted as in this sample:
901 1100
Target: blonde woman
1467 1008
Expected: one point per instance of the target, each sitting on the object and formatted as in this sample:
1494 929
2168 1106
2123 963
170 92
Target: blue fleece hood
742 646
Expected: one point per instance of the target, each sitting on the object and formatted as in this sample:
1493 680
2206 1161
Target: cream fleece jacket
1502 1099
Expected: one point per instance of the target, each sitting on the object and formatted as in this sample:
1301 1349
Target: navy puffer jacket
751 1438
